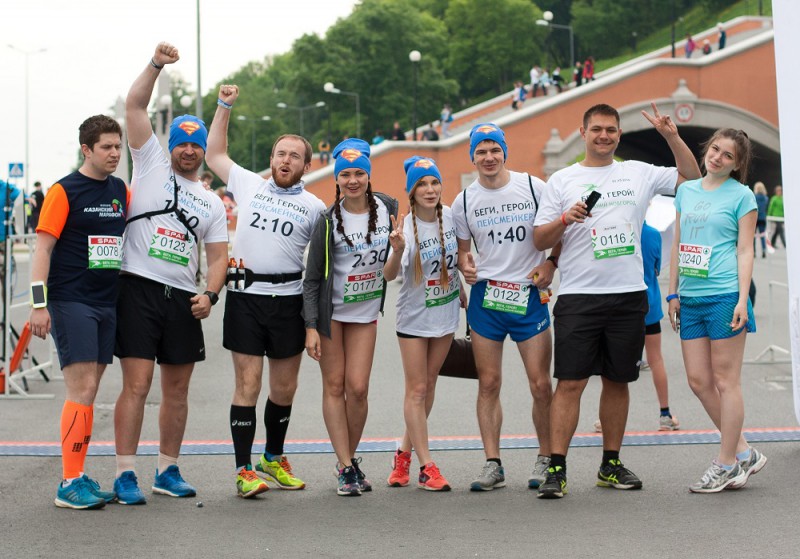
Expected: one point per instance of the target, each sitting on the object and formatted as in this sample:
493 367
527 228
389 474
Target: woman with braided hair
343 293
427 311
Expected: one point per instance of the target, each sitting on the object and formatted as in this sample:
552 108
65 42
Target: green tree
491 45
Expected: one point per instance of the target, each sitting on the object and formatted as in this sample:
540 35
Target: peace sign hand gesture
662 123
396 238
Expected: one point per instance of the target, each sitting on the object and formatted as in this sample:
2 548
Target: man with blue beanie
509 279
159 309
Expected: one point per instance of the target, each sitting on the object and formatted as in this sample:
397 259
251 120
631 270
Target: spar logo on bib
189 127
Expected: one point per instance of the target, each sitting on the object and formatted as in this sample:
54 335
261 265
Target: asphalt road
662 520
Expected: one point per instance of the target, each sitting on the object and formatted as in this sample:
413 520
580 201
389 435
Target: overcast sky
95 49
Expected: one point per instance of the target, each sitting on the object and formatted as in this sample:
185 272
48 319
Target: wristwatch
213 297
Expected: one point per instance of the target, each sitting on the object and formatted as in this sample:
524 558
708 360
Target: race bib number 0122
505 296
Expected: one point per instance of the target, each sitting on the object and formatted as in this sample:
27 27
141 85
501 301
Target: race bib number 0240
694 260
505 296
363 287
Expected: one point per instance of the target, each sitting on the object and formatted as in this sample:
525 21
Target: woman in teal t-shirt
712 256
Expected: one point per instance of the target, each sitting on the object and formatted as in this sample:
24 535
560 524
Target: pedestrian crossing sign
16 170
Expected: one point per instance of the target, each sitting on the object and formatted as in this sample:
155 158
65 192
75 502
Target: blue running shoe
78 495
127 489
171 483
107 496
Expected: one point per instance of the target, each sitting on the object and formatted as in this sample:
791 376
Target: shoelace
248 475
433 472
128 482
286 466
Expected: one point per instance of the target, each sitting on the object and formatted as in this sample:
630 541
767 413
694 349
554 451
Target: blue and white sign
16 170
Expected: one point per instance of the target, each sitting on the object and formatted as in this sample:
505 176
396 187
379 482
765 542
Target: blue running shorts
710 317
496 325
82 332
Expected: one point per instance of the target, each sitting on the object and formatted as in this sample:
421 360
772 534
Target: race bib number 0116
105 253
505 296
363 287
171 246
436 295
611 241
694 260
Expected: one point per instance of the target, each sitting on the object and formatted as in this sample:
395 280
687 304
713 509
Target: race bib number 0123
171 246
505 296
694 260
363 287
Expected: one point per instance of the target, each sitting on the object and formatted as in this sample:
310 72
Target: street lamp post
253 121
301 110
330 88
547 21
27 54
414 56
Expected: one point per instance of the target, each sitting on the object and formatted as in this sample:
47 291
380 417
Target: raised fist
228 93
166 54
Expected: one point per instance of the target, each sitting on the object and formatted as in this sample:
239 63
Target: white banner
786 19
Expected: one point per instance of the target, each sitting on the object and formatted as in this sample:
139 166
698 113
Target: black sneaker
555 485
363 483
614 474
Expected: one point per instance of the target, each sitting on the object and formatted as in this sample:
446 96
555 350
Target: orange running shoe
430 479
401 463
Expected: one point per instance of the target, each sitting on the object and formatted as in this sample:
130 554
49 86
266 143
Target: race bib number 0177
363 287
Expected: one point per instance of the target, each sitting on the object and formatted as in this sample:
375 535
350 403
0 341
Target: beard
186 166
289 182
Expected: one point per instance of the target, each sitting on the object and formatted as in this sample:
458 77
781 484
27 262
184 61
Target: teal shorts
710 317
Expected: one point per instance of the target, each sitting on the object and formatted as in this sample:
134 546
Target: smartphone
592 200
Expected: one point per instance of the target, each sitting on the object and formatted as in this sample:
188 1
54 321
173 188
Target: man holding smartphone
74 296
602 299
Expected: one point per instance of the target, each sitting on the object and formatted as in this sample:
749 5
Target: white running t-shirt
603 254
500 221
273 229
160 248
428 309
358 270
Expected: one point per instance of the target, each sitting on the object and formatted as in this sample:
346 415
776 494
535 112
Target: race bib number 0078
105 253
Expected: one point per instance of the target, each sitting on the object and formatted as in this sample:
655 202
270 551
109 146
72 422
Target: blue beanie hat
187 129
351 154
418 167
487 131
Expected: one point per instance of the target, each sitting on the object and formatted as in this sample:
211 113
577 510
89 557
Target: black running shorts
599 335
264 325
155 322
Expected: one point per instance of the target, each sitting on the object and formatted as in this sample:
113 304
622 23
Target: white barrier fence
37 358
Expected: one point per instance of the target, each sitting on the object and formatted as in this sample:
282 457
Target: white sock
165 462
126 463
